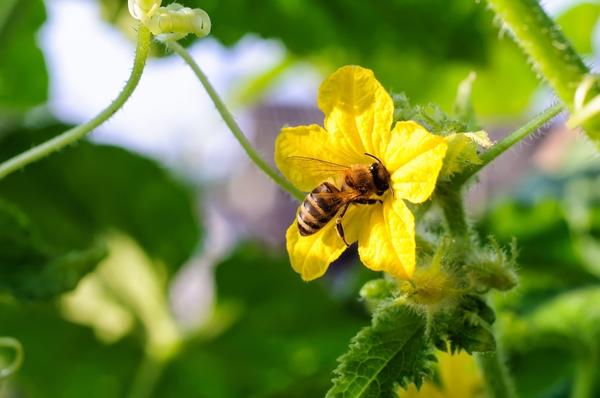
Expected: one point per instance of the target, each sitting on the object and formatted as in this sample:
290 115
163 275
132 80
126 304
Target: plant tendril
232 124
73 135
15 345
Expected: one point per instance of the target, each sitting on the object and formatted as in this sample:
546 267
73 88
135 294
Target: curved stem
548 50
494 370
231 123
15 345
73 135
507 142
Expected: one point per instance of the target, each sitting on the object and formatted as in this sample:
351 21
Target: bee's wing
317 167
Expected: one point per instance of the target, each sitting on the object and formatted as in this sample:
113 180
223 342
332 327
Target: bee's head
381 177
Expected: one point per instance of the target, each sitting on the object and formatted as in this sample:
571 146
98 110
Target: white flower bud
140 9
176 21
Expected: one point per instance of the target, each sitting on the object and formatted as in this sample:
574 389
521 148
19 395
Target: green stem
549 51
495 373
585 375
492 365
15 345
451 202
147 376
231 123
73 135
507 142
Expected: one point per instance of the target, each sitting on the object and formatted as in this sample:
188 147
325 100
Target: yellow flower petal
357 106
387 242
311 255
414 158
312 142
459 377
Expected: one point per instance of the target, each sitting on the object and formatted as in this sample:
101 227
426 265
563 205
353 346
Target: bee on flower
359 169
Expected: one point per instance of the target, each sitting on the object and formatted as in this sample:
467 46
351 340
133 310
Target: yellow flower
459 377
358 120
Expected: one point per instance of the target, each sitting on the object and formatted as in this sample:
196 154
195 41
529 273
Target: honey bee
359 183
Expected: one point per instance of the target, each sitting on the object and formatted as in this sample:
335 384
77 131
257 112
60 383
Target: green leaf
466 327
273 335
469 328
63 359
578 24
572 317
554 381
23 75
557 334
75 197
547 257
542 219
392 351
29 268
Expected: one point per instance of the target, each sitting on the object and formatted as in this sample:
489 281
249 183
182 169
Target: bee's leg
367 201
338 224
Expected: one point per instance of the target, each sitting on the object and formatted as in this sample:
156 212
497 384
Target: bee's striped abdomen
317 209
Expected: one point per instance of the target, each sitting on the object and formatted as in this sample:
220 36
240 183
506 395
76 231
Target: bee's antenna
374 157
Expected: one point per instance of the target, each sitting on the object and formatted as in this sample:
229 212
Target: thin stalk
495 373
232 124
507 142
147 376
71 136
585 375
550 52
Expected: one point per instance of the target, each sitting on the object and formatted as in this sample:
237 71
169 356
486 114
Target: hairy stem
73 135
15 345
495 373
451 202
231 123
492 365
550 52
507 142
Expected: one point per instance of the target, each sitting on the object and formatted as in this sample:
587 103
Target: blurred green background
129 268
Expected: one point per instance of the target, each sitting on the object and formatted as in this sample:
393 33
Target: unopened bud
143 8
176 21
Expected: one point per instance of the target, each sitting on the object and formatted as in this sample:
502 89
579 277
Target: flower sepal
463 152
